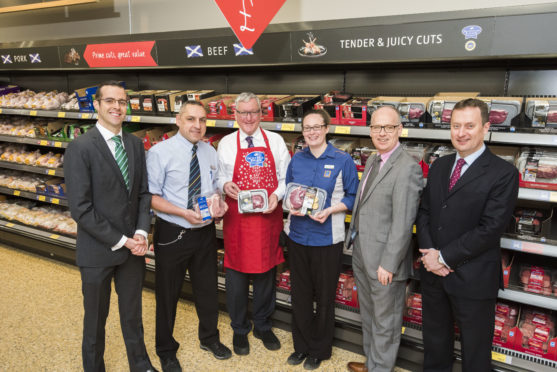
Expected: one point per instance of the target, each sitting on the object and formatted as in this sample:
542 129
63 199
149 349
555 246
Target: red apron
251 239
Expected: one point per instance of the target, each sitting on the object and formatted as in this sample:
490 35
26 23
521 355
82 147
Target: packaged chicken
253 201
304 199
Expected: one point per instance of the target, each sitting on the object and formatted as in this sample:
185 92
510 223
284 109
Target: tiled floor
41 321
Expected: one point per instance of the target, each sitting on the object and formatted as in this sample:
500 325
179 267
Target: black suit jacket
466 223
99 200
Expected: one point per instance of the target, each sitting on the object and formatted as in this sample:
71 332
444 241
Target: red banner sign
249 18
132 54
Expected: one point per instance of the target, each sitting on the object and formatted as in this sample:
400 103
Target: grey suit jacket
386 216
99 200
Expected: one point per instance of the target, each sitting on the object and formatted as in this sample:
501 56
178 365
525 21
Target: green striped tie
121 159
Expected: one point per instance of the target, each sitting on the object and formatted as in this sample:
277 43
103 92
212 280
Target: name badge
329 166
256 158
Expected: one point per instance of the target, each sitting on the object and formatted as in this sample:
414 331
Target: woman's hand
321 216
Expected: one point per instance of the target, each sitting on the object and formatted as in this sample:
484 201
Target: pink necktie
456 173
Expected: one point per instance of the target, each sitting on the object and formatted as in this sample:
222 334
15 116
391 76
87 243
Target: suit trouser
475 319
196 252
96 288
314 273
381 309
264 297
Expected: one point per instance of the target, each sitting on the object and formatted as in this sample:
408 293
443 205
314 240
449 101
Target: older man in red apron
250 159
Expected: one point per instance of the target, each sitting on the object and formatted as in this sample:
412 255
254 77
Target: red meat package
413 311
536 333
284 280
536 279
347 293
506 316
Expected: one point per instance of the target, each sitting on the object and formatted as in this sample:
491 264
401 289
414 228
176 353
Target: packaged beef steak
253 201
303 199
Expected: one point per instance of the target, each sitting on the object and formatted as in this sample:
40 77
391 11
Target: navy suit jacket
466 223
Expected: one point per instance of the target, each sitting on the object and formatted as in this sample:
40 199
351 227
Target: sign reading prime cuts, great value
131 54
249 18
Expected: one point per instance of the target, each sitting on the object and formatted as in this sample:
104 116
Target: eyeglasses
111 101
388 128
316 128
245 114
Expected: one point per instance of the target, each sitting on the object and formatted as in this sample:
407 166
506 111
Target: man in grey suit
381 230
106 180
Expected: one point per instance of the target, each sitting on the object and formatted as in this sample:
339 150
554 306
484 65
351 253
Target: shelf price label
403 330
553 197
136 119
532 248
498 357
43 143
86 116
348 218
236 125
55 201
51 172
339 129
360 175
54 236
33 113
404 132
413 229
0 110
57 144
288 127
61 114
41 197
211 123
17 192
9 224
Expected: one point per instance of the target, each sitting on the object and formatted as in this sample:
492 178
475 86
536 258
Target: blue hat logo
471 32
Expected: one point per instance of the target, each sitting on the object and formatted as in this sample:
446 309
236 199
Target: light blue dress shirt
168 171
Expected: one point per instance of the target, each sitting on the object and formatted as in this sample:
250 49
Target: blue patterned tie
250 141
121 159
194 188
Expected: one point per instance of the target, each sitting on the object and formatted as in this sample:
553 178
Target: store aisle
41 320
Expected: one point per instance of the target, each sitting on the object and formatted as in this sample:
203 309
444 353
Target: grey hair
246 97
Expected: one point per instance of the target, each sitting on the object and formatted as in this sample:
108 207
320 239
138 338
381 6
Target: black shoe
170 364
218 349
269 339
296 358
312 363
241 344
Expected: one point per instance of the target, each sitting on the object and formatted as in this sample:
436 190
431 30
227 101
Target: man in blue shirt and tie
180 170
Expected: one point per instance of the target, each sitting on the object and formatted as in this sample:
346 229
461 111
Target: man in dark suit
385 209
109 199
466 205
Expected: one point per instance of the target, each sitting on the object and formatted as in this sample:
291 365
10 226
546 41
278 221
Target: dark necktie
456 173
194 188
372 174
249 139
121 159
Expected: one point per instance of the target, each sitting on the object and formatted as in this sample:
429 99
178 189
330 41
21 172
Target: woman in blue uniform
315 242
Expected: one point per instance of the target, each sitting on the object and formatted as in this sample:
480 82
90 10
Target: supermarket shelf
49 113
535 247
501 356
33 196
34 141
528 298
29 231
149 119
524 138
537 195
59 172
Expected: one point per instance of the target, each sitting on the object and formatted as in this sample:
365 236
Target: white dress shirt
227 156
107 135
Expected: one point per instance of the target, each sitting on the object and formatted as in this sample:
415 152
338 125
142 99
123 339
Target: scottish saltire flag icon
239 50
35 57
6 59
194 51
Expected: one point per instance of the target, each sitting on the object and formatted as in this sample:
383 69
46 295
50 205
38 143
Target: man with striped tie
108 197
180 170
